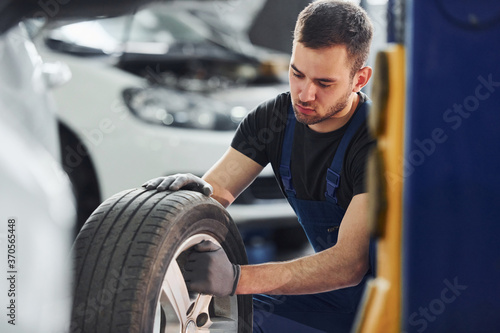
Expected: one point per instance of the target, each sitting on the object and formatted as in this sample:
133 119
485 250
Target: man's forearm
324 271
231 175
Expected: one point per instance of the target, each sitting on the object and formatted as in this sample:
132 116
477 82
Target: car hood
13 11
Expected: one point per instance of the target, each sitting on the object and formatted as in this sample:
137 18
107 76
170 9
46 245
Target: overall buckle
332 182
286 178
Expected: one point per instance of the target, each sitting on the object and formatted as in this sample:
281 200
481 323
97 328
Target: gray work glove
209 271
179 181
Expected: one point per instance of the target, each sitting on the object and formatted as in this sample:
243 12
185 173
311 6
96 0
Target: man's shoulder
364 102
362 140
277 104
270 111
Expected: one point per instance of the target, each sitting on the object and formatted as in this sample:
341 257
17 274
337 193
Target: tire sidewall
206 217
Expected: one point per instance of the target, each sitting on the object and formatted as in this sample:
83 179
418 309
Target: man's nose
307 92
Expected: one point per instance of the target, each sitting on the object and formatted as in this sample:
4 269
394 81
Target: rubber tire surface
123 251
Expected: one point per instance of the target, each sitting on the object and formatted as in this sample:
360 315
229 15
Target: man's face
321 85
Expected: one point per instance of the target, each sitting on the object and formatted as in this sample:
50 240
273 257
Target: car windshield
167 27
155 25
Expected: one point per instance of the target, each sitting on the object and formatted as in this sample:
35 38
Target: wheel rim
178 310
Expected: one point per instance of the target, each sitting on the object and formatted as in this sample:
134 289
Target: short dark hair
327 23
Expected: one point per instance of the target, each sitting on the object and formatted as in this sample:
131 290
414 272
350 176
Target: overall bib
324 312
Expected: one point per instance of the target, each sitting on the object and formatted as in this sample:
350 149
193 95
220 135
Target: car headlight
158 105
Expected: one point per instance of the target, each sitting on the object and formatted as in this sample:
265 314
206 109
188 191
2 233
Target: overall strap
333 172
286 153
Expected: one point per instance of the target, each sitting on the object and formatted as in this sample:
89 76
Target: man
317 143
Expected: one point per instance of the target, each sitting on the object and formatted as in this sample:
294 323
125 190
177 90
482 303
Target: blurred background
161 91
92 107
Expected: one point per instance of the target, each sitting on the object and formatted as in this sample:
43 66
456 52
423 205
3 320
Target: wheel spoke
200 315
200 311
175 299
201 304
174 290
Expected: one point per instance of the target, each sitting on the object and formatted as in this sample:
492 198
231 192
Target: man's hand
209 271
179 181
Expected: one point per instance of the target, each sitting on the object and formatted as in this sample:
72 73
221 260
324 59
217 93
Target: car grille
263 188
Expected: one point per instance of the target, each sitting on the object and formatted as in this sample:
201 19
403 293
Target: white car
119 129
37 206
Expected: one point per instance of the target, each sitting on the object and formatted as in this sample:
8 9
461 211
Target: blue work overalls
324 312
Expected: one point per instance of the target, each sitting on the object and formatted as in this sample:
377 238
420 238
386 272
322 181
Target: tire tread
117 247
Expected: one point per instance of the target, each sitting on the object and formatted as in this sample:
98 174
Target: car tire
128 261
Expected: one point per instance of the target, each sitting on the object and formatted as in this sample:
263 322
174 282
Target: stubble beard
316 119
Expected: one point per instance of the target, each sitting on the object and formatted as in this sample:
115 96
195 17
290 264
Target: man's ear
361 78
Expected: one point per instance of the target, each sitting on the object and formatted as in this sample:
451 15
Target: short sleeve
246 139
260 133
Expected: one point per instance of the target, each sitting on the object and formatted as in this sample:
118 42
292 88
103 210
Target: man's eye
322 85
297 75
